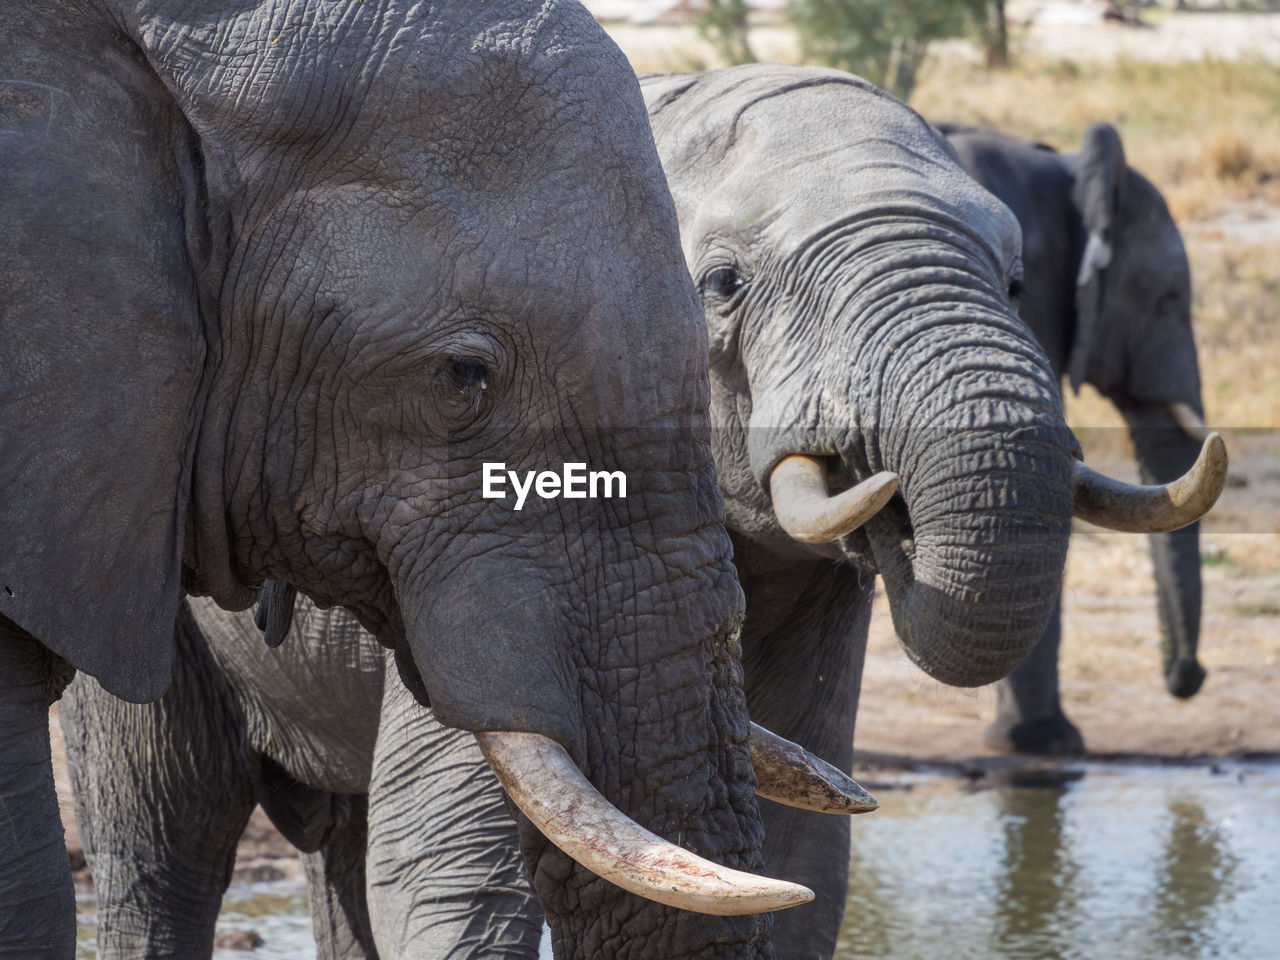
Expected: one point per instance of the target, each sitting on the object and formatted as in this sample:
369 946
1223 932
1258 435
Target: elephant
856 286
276 281
1107 292
376 793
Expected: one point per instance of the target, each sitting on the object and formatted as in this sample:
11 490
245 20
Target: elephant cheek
488 645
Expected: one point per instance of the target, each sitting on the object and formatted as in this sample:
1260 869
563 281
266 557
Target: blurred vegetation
723 24
885 41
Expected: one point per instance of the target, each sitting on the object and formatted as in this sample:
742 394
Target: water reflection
1143 863
1036 889
1117 863
1193 881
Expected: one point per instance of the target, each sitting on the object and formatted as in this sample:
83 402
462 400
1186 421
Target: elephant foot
1184 678
1047 736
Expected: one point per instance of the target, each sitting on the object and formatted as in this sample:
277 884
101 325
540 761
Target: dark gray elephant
855 283
275 280
1107 292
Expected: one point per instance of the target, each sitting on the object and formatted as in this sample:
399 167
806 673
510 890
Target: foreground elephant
855 283
1107 292
275 279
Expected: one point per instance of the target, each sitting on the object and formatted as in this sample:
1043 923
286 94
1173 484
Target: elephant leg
37 901
1029 717
163 792
336 887
445 875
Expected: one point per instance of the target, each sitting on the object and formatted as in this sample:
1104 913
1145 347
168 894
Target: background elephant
1107 292
275 280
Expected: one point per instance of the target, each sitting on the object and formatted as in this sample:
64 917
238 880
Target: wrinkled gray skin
356 773
274 279
1127 331
855 283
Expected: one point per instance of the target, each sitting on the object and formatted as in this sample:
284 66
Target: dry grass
1207 133
1237 320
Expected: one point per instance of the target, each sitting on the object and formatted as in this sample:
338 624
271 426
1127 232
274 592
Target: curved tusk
1153 509
789 774
1186 417
552 792
808 513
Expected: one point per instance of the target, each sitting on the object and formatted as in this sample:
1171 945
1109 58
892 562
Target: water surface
1105 862
1101 863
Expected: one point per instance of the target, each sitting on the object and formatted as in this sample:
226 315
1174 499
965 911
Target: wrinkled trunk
1164 452
972 556
623 649
444 876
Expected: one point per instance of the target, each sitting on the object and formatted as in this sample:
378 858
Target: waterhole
1097 863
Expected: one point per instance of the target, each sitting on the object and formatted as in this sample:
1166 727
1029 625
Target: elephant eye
1015 290
464 381
722 283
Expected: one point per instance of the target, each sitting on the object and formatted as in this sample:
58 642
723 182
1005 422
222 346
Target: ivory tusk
1153 509
1186 417
810 514
553 793
787 773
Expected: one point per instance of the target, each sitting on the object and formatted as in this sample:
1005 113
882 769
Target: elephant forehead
788 151
453 87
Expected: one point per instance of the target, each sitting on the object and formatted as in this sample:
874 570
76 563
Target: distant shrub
1227 156
885 41
723 23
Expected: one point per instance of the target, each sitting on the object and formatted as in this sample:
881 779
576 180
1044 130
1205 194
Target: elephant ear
102 349
1097 196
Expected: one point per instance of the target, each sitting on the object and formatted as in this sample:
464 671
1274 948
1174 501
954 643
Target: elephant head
1133 342
856 285
277 281
1133 338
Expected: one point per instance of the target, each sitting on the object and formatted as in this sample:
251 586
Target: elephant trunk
597 749
973 555
1164 450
